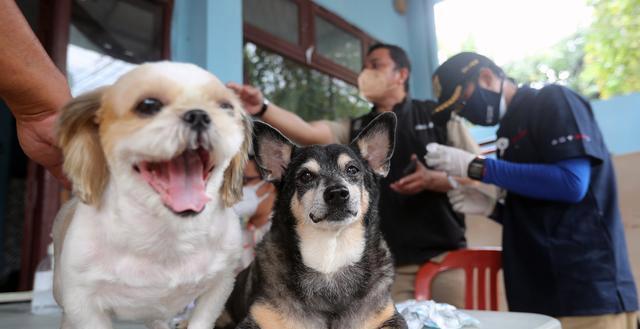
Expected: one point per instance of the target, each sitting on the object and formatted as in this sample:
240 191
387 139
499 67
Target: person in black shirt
416 217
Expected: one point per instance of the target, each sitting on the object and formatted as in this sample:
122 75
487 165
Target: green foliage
613 47
310 94
563 64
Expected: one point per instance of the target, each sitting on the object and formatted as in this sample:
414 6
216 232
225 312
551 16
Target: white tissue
431 315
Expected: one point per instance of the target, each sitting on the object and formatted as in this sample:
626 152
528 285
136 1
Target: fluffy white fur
120 251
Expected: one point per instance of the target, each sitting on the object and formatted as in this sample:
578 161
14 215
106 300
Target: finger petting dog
156 162
324 263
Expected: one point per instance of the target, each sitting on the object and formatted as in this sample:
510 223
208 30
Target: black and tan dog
324 264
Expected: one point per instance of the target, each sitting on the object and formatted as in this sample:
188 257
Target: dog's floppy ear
272 151
84 160
377 141
231 189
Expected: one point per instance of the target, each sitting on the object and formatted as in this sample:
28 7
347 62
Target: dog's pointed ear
84 161
231 189
377 141
272 151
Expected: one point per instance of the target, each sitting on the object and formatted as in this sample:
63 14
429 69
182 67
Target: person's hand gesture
251 97
419 180
38 141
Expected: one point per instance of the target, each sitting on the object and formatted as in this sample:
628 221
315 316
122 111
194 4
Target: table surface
513 320
17 315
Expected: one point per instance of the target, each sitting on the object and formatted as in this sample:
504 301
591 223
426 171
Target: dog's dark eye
226 106
352 170
306 177
149 106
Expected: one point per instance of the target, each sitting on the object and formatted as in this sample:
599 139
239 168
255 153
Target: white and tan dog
156 161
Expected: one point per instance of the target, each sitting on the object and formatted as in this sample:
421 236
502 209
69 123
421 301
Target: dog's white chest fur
151 275
326 251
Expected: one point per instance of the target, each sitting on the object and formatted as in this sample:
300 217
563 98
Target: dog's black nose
197 119
336 195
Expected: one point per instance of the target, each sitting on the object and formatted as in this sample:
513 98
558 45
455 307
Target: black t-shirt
562 259
416 227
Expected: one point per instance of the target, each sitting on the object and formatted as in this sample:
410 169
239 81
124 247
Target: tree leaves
612 49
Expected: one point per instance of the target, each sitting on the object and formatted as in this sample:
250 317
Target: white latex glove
451 160
474 199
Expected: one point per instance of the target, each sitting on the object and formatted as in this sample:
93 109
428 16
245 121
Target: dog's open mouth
180 181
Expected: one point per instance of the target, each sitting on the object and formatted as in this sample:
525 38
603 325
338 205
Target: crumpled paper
428 314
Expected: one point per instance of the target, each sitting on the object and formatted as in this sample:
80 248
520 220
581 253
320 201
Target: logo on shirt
570 138
502 144
424 126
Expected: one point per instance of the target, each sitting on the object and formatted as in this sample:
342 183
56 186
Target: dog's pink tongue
185 186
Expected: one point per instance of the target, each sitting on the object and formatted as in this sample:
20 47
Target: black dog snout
197 119
336 195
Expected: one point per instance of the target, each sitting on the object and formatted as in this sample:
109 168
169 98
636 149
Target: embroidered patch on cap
470 65
437 88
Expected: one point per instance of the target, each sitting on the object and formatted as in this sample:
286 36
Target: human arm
267 195
565 180
32 87
289 123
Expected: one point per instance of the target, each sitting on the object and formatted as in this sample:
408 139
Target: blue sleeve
565 181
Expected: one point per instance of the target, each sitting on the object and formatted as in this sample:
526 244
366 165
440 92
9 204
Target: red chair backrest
467 259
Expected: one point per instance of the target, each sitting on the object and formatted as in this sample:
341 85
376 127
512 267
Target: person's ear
403 75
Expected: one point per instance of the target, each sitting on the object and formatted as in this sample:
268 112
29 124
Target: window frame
307 11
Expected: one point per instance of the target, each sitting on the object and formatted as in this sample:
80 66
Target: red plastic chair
467 259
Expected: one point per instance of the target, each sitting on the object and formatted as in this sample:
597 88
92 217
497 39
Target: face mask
373 85
250 201
484 107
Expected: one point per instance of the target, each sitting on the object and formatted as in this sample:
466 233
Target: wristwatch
476 168
265 105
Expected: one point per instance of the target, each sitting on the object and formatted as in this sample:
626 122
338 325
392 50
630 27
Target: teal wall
209 33
414 31
618 118
376 17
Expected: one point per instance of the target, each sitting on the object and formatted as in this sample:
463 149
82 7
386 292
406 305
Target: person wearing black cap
564 250
417 219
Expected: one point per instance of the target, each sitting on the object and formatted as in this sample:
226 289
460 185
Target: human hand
251 97
474 199
453 161
267 194
38 141
419 180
